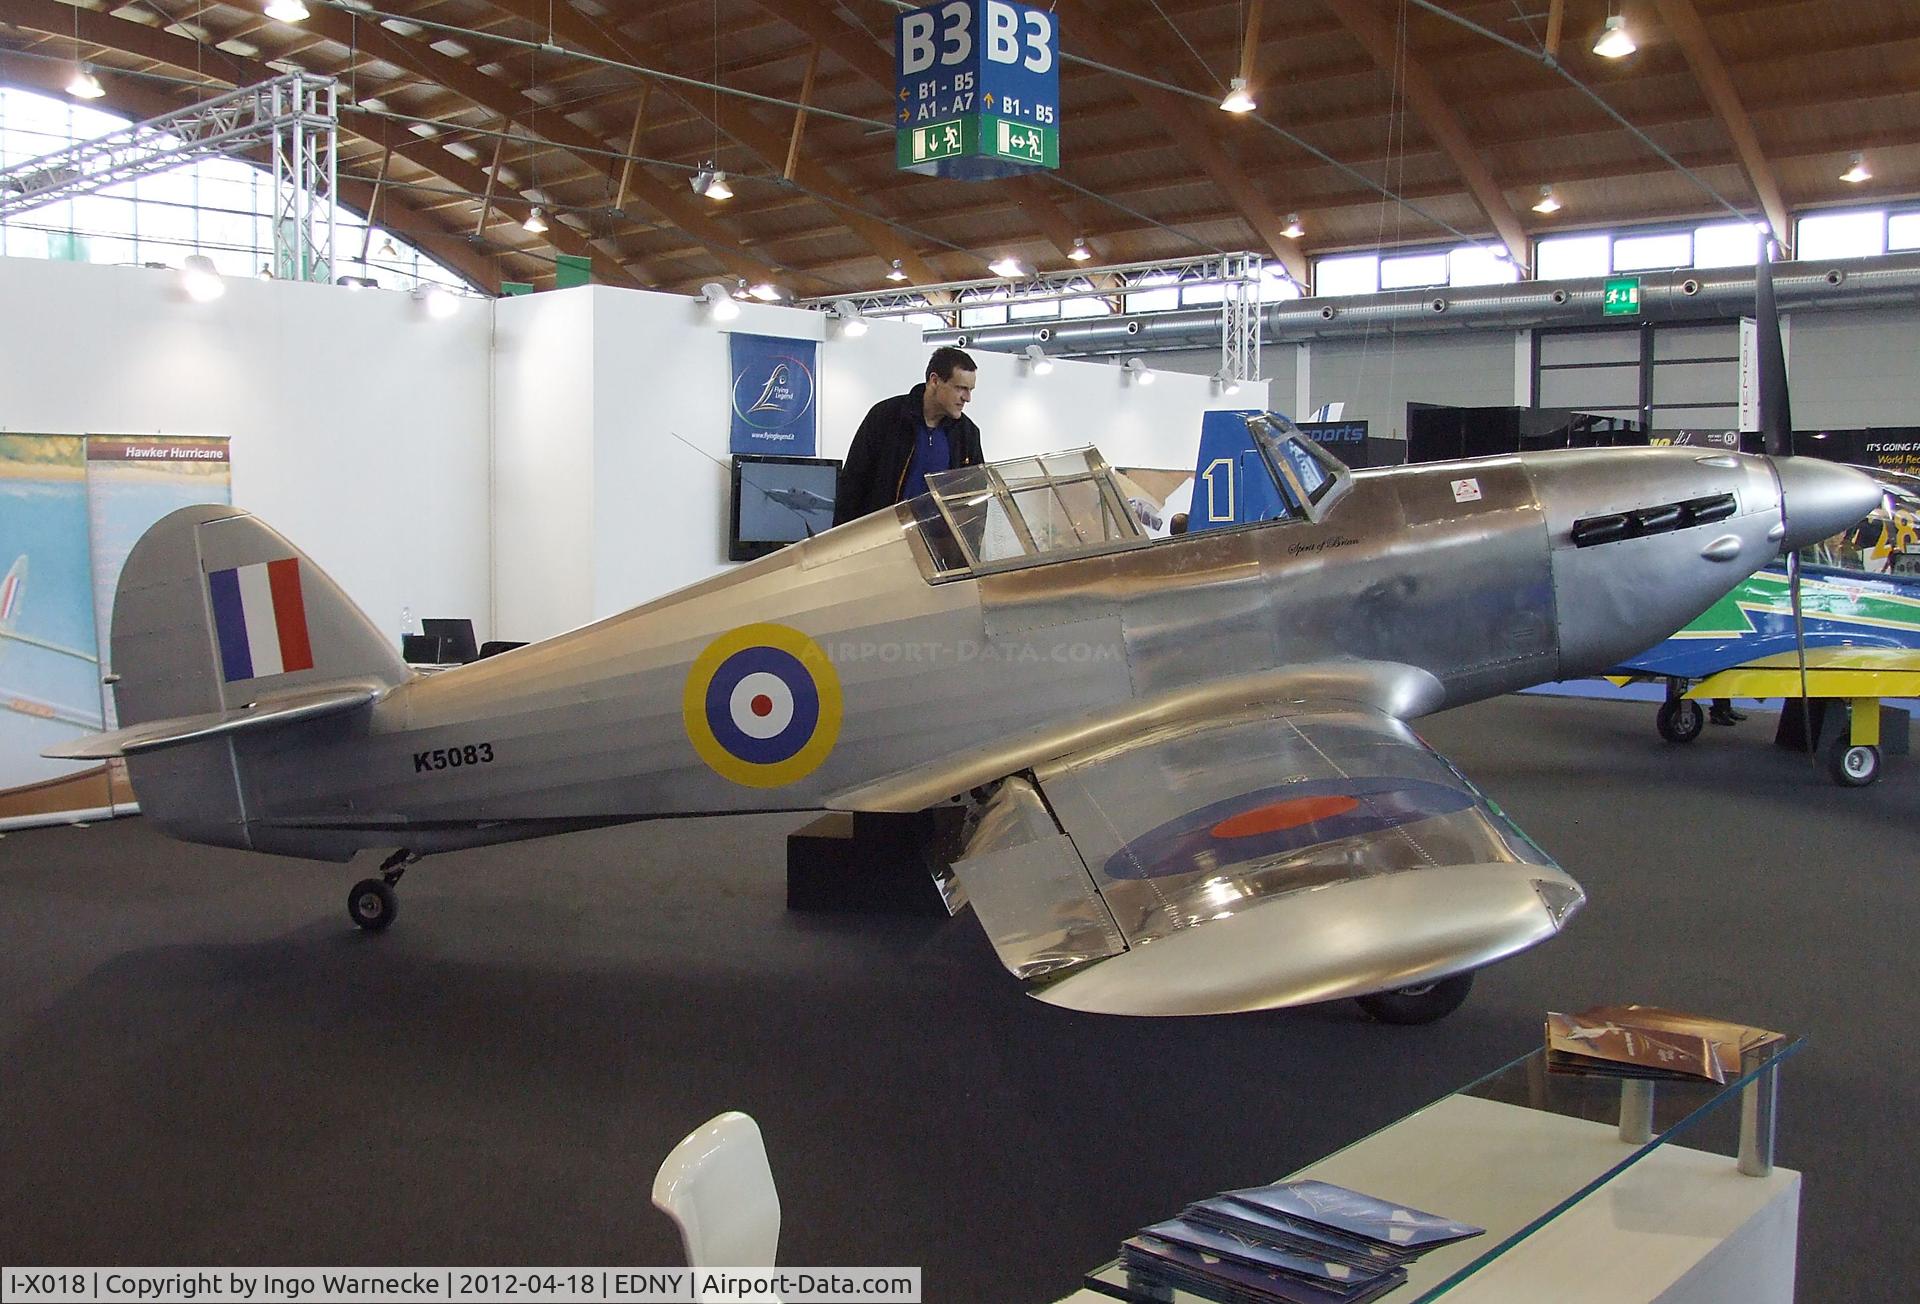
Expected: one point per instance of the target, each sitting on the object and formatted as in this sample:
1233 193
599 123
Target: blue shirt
932 453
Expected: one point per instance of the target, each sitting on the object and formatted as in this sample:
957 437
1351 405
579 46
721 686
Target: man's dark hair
946 360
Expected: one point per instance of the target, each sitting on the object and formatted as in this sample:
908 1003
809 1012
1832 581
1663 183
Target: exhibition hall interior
1147 650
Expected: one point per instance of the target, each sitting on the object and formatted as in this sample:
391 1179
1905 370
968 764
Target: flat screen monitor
455 637
778 501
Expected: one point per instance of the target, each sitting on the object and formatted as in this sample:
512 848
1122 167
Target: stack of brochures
1645 1041
1290 1243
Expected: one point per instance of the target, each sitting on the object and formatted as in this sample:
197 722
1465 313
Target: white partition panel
359 423
641 467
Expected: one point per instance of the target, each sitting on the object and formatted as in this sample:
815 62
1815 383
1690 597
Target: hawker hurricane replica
1191 782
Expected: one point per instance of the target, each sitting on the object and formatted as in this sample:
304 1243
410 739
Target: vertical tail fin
221 625
216 609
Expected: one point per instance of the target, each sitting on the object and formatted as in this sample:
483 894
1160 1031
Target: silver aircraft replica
1191 783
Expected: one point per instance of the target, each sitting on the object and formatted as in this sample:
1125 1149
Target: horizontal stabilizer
270 711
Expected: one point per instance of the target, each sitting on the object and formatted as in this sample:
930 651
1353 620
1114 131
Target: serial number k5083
452 758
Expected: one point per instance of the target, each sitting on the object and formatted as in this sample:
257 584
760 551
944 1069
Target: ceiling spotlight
852 324
1225 382
719 302
710 182
1008 266
1293 230
287 11
1615 42
1857 170
83 85
1239 99
896 272
386 249
1136 371
1079 253
536 221
1547 203
768 292
1037 360
201 279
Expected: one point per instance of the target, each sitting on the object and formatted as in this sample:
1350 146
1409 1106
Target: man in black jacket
907 438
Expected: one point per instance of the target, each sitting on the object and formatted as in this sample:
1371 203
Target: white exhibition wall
611 435
533 463
359 424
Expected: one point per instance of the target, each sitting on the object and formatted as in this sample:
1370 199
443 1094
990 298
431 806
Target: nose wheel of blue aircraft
1422 1004
1680 720
373 902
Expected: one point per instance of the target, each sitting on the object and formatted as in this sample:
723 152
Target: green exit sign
1622 297
934 141
1024 142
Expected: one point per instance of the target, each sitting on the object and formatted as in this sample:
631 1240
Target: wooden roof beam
866 57
738 121
510 101
178 52
1192 130
1683 20
1367 26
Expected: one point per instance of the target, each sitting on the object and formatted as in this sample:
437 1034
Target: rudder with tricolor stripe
216 610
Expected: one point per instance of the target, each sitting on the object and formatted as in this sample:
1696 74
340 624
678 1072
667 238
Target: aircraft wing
1280 856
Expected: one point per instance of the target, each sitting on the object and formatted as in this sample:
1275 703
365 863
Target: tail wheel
1422 1004
1852 765
1680 720
372 904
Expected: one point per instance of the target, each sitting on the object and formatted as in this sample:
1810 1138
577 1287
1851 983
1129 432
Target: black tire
373 905
1852 765
1422 1004
1681 720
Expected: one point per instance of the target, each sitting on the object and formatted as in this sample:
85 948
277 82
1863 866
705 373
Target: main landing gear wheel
372 904
1422 1004
1681 720
1852 765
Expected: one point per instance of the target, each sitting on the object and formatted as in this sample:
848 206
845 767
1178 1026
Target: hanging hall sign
976 89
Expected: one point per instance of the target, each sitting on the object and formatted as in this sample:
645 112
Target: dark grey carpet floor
202 1062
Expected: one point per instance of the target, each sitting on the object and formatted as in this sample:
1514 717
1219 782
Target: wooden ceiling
1764 100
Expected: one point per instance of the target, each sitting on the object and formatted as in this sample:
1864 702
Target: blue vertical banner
774 393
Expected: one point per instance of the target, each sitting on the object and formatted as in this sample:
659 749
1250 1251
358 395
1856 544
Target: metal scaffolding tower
293 120
1240 318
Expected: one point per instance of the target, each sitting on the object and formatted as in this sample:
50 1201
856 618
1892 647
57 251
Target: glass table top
1510 1152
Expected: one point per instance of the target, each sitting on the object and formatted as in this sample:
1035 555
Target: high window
222 208
1340 274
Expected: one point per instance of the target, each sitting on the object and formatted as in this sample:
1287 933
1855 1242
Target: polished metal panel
1195 827
1030 890
1345 939
1725 548
1402 691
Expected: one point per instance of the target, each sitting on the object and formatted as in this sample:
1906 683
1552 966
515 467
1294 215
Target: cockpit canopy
1022 512
1030 511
